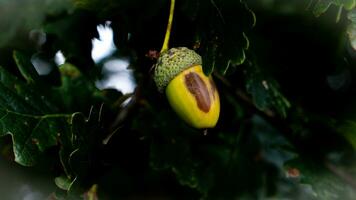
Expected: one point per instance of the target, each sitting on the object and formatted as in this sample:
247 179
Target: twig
169 27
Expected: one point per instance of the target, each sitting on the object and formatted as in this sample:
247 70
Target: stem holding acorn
169 27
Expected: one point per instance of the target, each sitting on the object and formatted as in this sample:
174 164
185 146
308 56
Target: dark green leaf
325 182
348 130
80 87
30 117
26 116
265 90
221 33
26 68
277 150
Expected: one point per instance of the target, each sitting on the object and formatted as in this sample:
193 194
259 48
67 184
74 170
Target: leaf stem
169 27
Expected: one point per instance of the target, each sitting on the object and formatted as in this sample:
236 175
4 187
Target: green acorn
191 93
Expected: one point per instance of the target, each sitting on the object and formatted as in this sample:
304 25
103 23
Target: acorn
191 94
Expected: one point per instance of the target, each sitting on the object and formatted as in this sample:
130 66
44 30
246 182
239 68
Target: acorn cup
191 94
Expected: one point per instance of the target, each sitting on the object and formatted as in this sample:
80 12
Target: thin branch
169 27
218 10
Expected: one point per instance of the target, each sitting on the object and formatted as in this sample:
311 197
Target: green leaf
62 182
173 151
26 68
325 184
32 134
28 114
277 150
221 33
322 6
32 120
28 119
92 193
265 90
76 87
256 146
215 167
348 130
182 164
33 101
351 29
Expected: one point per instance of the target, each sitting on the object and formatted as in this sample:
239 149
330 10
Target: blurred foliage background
78 125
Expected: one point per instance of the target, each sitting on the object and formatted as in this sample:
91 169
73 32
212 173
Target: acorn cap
173 61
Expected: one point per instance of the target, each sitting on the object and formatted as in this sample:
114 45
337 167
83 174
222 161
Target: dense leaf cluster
285 71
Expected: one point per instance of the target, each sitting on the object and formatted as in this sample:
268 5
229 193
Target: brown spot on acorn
199 90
